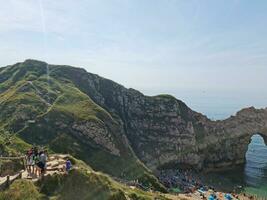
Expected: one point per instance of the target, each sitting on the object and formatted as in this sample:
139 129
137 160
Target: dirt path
55 164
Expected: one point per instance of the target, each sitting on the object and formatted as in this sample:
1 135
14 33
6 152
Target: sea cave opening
252 175
255 169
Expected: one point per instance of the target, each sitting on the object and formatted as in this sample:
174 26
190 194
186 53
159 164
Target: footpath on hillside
55 164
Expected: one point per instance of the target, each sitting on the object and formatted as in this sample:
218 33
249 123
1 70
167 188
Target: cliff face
102 122
160 129
164 131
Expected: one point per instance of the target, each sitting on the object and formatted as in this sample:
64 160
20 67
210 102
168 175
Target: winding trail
39 93
55 164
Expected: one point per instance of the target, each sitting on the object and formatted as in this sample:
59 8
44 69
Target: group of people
189 182
36 161
183 179
213 195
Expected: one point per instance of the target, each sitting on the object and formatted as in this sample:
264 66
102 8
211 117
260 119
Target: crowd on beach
190 182
186 180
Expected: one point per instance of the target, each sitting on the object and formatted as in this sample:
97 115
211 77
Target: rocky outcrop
99 134
230 137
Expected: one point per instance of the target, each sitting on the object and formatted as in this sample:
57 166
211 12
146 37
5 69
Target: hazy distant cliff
109 126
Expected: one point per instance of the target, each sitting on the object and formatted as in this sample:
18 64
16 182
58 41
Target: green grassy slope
81 183
41 110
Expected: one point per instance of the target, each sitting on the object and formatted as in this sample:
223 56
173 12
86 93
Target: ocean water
255 169
215 103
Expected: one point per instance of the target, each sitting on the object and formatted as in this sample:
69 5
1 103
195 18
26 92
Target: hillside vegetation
51 111
81 183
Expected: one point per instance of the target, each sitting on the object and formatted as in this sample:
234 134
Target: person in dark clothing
68 165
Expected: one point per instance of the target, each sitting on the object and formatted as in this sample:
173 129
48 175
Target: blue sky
193 49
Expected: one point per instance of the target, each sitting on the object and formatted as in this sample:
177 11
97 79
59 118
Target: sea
218 105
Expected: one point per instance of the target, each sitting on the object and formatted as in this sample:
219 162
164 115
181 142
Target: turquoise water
256 165
255 170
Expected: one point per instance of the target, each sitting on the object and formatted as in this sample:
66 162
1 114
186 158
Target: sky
210 54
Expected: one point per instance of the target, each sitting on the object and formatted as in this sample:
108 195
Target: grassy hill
81 183
54 111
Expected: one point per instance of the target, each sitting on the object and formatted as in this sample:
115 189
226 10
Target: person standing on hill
42 162
30 161
68 165
37 168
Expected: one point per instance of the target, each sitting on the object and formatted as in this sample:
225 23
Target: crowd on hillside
36 162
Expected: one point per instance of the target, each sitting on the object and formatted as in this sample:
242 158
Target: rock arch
264 136
233 136
205 144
